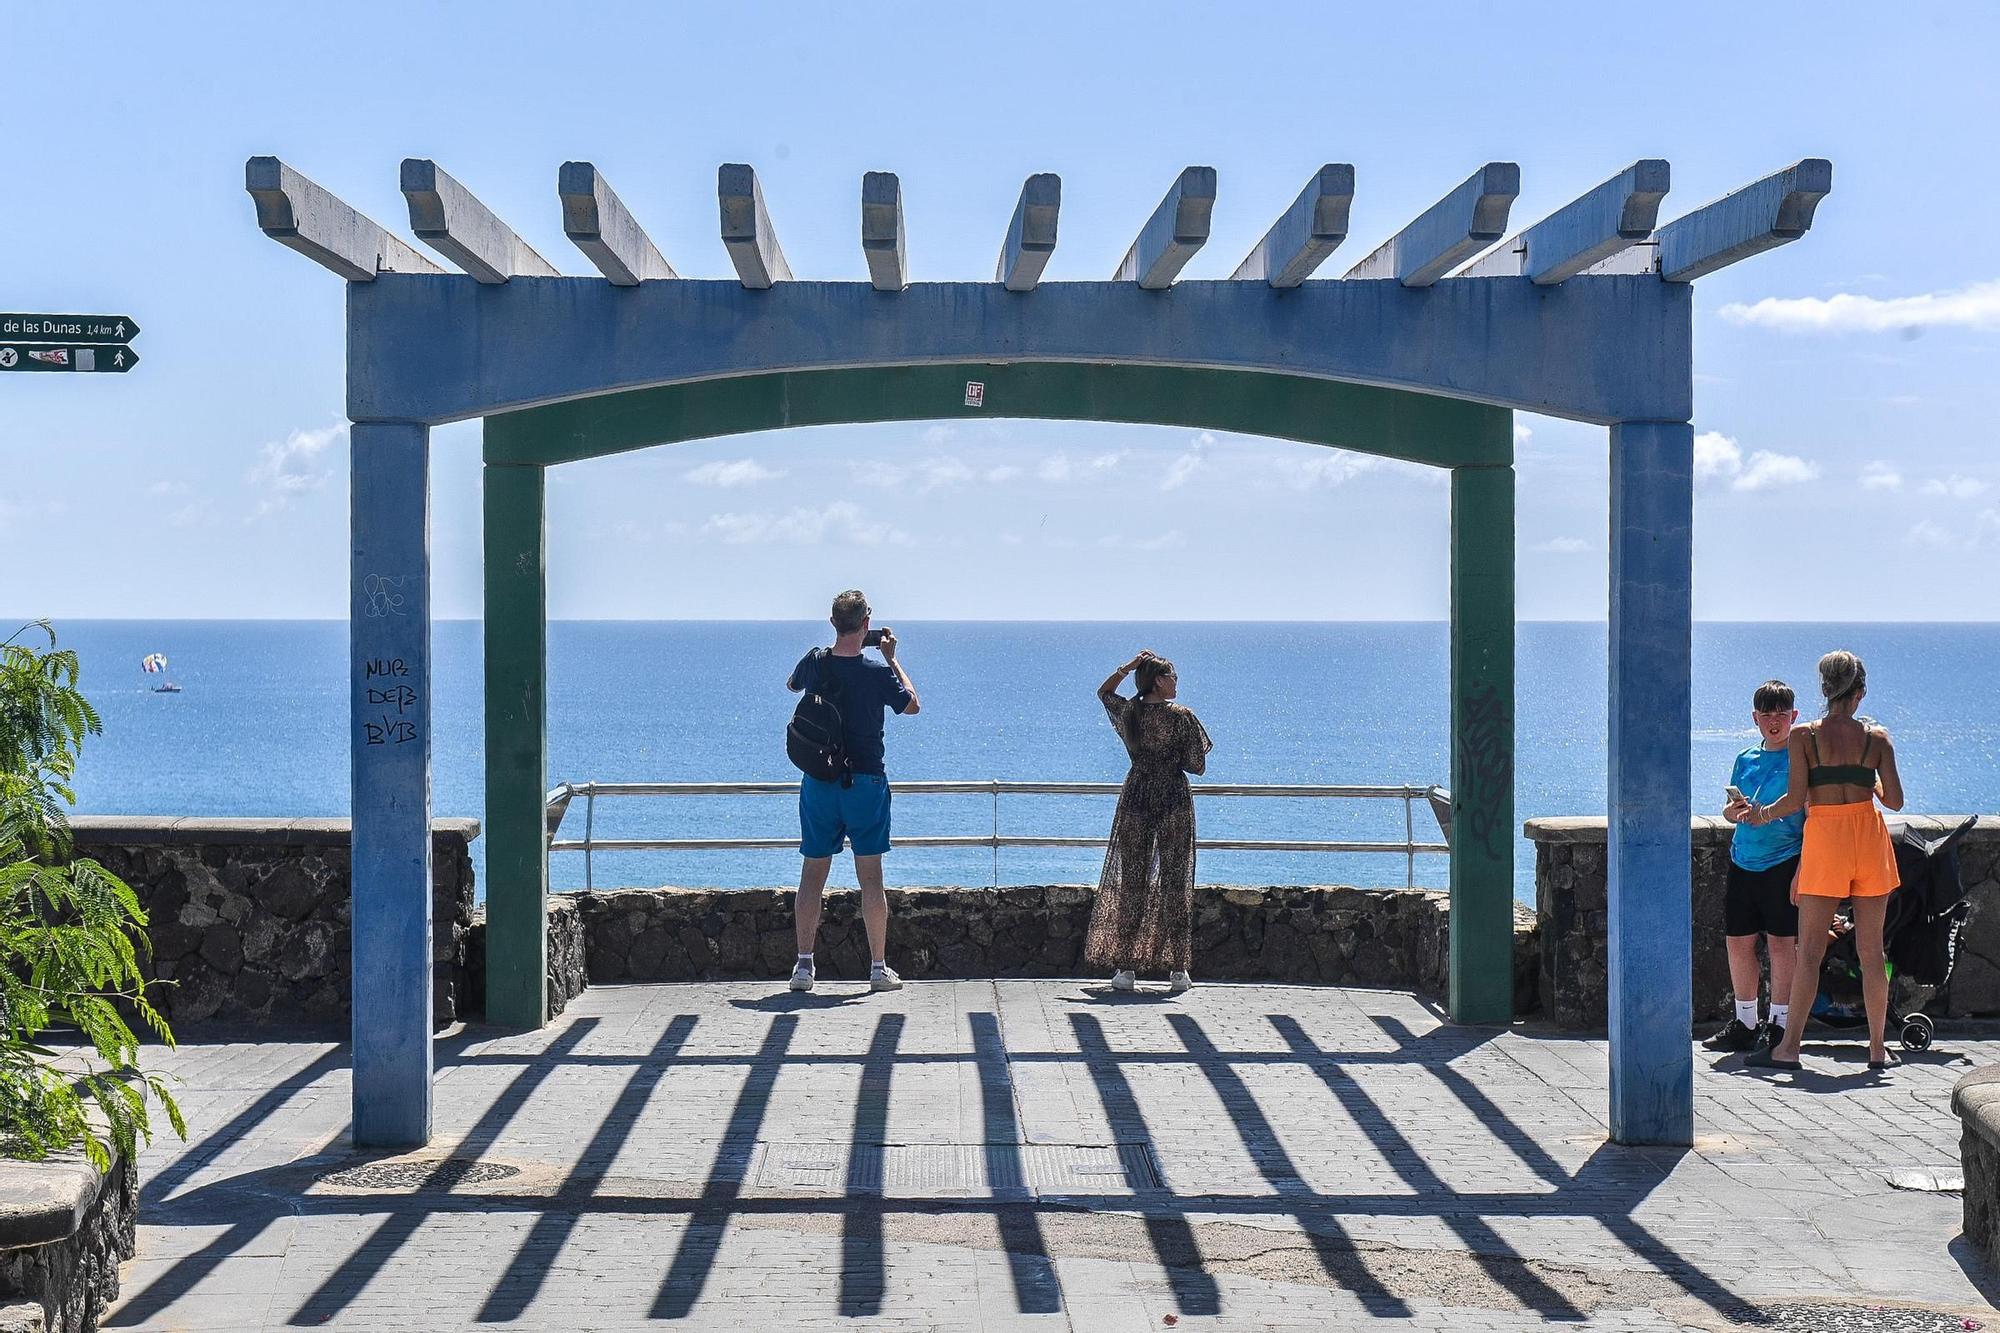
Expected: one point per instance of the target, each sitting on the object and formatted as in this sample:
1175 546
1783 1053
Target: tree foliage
70 934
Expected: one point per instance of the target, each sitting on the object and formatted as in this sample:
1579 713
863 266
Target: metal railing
1409 848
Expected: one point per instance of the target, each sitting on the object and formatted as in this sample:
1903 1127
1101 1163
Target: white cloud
939 433
169 488
1060 468
1974 307
1716 455
729 473
841 522
294 466
930 474
194 515
1766 470
1332 467
1523 432
1182 469
1879 476
1955 486
1926 533
1561 546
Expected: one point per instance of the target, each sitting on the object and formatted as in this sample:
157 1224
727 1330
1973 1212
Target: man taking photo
854 807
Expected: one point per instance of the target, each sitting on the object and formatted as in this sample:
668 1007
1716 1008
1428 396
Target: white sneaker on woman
1178 982
802 974
1123 980
883 977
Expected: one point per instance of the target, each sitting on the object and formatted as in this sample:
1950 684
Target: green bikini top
1860 774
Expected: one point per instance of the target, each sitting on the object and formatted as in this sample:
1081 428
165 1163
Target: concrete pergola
1422 352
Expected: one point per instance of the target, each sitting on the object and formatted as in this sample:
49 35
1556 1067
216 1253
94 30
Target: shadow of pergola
1606 1188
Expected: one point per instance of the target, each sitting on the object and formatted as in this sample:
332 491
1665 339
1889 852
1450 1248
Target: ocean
260 729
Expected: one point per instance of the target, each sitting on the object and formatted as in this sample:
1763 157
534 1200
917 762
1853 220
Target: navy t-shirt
861 687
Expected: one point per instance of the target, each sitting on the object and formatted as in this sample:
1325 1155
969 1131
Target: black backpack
813 740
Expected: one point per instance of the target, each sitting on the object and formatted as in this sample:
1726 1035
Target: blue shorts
829 811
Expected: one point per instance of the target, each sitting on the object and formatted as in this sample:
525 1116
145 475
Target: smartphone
1731 792
872 639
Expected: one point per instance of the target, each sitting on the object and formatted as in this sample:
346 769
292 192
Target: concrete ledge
173 830
64 1229
42 1202
1975 1099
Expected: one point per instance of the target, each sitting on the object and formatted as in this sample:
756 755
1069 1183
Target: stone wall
64 1228
1320 935
1976 1100
250 917
1570 904
567 975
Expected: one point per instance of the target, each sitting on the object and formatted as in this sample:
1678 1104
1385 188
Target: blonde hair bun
1841 674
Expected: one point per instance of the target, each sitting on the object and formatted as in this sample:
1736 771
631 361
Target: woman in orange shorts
1840 767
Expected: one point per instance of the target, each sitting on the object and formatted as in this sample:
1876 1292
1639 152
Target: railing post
1409 844
589 834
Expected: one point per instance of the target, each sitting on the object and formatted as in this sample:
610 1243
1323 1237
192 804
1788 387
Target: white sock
1746 1013
805 958
878 965
1779 1013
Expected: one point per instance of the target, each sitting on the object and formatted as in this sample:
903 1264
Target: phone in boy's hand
872 639
1731 792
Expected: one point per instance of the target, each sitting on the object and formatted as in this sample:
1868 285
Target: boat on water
156 664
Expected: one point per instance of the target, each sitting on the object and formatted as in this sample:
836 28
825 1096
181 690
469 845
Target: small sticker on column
975 393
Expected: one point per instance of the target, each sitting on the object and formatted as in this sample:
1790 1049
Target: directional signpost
38 356
91 344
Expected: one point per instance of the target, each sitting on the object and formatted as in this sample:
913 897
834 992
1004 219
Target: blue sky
1844 382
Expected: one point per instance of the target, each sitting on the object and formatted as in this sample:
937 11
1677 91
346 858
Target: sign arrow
87 360
68 328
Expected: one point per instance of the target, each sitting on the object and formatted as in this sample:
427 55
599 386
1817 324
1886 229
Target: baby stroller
1919 937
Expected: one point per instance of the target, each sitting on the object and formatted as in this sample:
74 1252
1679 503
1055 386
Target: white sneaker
1178 982
802 975
1123 980
883 977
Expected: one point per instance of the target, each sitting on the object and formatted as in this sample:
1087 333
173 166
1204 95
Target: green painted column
517 862
1482 742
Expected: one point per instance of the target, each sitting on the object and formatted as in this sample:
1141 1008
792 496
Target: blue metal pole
390 636
1652 568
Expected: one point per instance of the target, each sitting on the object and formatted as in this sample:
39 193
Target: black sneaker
1735 1037
1769 1034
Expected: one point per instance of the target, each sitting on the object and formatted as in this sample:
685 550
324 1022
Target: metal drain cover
924 1169
417 1176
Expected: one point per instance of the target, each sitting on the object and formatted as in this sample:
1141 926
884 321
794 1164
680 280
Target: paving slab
1022 1155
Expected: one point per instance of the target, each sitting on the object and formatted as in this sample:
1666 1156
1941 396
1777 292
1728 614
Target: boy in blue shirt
1763 861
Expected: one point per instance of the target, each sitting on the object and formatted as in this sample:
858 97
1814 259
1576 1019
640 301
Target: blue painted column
390 634
1652 575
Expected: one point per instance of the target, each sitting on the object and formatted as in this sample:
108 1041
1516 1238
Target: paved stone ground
1057 1157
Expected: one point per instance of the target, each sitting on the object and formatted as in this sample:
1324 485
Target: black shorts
1759 902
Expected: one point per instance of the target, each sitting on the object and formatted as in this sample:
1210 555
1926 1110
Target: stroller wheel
1917 1032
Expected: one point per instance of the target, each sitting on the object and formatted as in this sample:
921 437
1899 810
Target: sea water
260 728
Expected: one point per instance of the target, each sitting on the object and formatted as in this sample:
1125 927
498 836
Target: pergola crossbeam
1178 228
1749 221
596 220
305 217
450 219
746 228
1031 235
1611 218
882 231
1449 232
1310 230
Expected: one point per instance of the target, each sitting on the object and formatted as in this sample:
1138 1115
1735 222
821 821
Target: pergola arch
1473 441
1422 350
